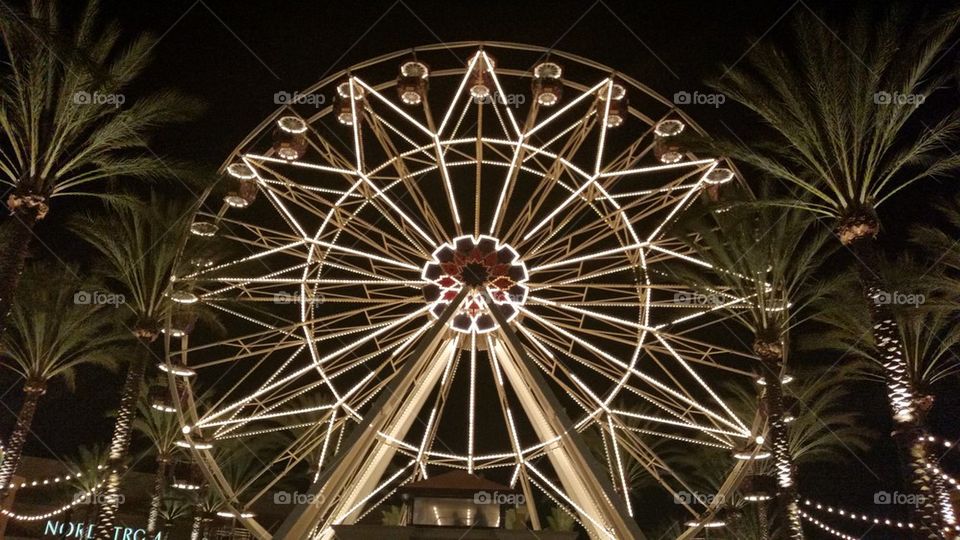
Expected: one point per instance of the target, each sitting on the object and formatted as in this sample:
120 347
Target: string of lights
826 527
854 516
80 498
49 481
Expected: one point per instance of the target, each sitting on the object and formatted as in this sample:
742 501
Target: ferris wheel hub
481 262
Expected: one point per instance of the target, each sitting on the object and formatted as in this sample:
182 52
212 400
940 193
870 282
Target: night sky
235 55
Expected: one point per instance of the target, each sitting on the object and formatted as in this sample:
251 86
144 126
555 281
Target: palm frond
842 106
57 325
65 123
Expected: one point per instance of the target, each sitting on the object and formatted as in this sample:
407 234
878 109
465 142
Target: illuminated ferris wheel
452 258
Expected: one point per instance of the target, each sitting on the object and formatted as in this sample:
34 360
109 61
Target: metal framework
466 275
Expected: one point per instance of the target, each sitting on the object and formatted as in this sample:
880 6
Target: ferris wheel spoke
560 166
591 181
522 144
643 376
620 323
437 147
611 212
346 348
358 253
379 194
360 181
588 257
678 410
397 161
562 163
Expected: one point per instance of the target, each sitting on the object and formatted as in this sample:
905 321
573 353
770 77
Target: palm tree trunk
92 513
197 530
32 391
900 392
14 247
66 519
943 499
771 356
159 483
119 446
763 522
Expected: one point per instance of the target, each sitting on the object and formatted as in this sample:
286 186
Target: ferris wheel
453 258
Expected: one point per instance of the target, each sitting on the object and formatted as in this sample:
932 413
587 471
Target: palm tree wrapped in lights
924 306
162 429
823 431
842 109
64 123
50 336
139 248
767 258
88 474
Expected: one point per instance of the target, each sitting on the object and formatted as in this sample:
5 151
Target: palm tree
242 468
88 472
172 510
559 520
842 111
823 431
139 248
768 257
162 429
51 335
923 303
65 126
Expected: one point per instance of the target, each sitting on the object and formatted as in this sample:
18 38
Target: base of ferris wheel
368 470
